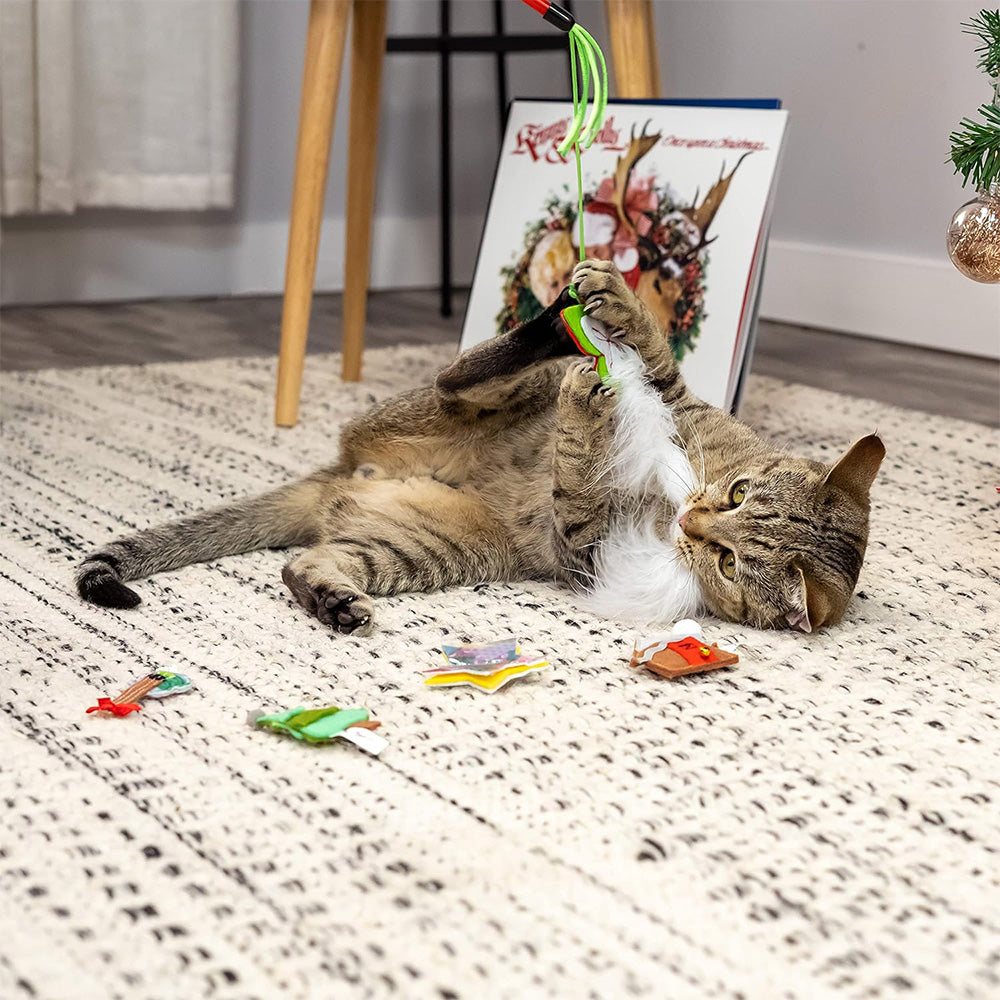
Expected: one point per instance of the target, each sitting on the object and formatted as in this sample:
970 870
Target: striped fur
800 535
511 467
278 519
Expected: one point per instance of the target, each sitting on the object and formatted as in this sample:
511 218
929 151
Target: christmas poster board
677 194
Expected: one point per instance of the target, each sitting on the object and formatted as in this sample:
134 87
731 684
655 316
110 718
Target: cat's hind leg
504 378
325 580
395 537
505 372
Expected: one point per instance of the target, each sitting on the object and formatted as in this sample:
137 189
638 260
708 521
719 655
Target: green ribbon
585 51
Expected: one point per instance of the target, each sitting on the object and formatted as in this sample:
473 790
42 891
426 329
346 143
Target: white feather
646 456
638 576
640 579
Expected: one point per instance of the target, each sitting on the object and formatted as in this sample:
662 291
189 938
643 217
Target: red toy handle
553 13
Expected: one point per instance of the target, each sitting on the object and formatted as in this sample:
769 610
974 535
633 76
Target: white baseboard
914 300
69 262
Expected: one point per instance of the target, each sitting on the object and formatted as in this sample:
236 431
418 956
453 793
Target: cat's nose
696 523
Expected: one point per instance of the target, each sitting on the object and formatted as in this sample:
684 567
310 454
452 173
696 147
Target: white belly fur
638 577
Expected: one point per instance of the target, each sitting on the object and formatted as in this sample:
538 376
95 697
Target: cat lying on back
520 464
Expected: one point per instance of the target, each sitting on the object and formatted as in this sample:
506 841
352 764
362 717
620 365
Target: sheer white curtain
117 103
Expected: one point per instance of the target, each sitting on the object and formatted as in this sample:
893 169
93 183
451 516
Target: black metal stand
445 163
445 45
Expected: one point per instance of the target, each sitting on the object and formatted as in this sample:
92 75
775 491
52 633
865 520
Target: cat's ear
799 618
856 469
812 605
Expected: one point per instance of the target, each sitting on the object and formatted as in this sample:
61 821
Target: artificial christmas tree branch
975 145
975 148
986 27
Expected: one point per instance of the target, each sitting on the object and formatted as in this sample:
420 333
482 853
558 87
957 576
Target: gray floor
176 330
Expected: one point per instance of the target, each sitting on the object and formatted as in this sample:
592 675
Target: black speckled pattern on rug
822 821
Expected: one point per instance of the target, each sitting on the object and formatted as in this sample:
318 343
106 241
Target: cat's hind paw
347 611
339 606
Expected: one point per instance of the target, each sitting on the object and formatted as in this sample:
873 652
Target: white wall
101 255
874 87
865 195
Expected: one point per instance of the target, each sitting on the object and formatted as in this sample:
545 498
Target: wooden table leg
320 82
633 47
367 52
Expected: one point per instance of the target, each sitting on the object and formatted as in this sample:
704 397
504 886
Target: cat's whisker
699 480
702 481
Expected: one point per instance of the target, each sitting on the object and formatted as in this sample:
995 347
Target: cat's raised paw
582 388
607 298
603 292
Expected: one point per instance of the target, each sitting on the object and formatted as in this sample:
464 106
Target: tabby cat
521 464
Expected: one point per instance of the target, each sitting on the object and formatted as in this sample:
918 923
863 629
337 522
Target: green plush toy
322 725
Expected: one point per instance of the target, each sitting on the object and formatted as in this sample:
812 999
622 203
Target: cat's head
781 542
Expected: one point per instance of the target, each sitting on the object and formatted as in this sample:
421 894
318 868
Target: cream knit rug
822 821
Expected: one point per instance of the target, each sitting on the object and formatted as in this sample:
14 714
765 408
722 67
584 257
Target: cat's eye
727 564
739 492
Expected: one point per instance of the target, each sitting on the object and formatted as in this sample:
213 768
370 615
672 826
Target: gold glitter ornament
974 237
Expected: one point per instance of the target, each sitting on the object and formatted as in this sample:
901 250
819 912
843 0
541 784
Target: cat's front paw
607 298
583 390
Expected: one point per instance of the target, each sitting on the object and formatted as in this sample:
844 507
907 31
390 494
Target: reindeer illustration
659 253
661 264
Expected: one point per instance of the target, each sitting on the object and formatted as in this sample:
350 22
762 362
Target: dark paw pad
345 610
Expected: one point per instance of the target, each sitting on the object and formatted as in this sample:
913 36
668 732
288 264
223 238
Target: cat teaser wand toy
588 336
159 684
